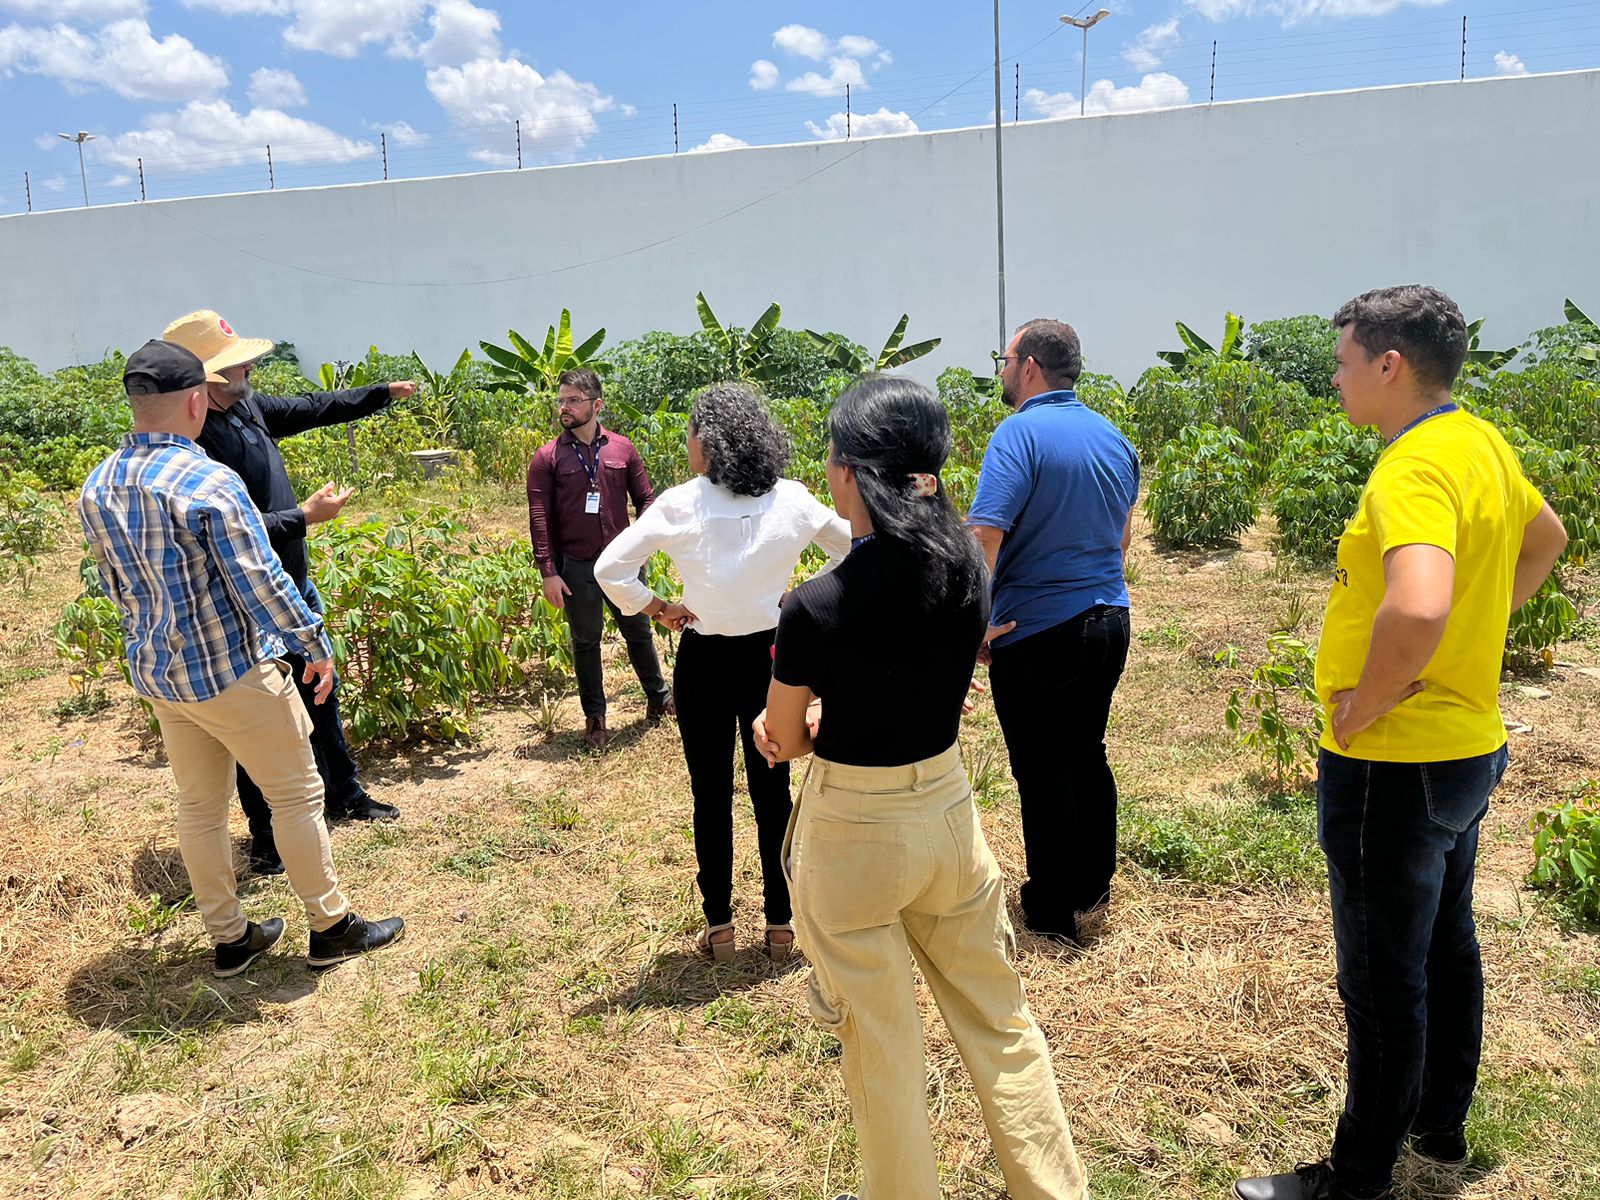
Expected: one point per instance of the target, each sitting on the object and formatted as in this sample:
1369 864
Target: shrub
975 409
1282 736
1238 395
28 527
1296 350
1566 849
89 636
1203 489
1551 400
1317 481
662 366
1105 395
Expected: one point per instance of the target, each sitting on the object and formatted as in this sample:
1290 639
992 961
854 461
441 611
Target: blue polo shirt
1060 479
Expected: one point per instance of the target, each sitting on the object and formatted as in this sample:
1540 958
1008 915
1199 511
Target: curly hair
746 452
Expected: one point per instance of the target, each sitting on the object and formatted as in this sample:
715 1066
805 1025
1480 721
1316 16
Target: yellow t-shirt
1450 482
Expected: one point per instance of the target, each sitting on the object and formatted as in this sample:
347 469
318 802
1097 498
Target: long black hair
886 429
746 452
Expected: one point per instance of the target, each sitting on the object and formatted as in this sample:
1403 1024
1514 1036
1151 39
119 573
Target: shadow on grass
167 990
570 746
686 979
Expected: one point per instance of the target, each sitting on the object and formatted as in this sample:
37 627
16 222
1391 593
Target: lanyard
1448 407
591 469
857 543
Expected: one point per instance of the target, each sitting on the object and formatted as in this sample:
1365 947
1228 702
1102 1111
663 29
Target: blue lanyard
1449 407
857 543
589 469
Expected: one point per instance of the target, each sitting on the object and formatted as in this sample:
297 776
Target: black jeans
1052 693
1402 845
585 609
340 786
720 685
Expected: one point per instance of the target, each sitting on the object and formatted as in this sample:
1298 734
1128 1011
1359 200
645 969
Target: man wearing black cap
209 614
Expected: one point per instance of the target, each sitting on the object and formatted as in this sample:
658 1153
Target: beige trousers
883 859
260 722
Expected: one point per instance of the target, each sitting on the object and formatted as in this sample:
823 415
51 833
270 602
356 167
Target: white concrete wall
1119 224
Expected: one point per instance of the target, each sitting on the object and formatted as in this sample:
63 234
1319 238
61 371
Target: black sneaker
1441 1149
264 858
351 938
1309 1181
364 808
233 957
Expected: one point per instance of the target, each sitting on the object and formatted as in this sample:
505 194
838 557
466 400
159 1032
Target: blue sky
198 89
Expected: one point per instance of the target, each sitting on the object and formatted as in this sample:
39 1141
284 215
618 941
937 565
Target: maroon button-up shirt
558 483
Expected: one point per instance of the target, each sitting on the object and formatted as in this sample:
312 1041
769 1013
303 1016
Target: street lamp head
1087 22
82 136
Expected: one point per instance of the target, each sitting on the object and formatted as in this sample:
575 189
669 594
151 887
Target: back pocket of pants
1457 792
850 875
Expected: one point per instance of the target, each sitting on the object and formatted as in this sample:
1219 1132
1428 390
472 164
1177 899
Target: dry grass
545 1030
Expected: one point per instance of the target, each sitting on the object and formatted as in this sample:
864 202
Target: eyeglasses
574 401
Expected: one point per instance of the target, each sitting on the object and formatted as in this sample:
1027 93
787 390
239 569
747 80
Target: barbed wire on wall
1188 71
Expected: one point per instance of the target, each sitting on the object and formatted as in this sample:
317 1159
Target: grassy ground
546 1030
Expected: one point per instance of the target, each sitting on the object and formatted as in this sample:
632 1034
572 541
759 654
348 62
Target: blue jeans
1402 845
341 788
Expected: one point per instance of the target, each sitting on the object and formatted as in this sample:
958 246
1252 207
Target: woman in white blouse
735 532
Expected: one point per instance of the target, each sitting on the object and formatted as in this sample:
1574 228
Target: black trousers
341 788
1052 692
586 617
720 685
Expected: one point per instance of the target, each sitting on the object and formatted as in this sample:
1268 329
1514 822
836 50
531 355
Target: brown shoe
595 733
654 712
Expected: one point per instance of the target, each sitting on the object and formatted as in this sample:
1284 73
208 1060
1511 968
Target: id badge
591 502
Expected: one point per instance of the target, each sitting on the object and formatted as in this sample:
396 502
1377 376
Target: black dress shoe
1309 1181
364 808
1441 1149
351 938
264 858
233 957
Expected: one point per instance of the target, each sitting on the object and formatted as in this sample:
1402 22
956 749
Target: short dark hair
585 380
1421 323
1054 346
746 451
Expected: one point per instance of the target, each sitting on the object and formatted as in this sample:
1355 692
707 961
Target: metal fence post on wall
27 187
1463 49
1213 99
1016 100
140 161
272 180
383 142
847 112
519 143
674 126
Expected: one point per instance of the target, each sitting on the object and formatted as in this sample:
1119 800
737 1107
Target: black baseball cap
158 367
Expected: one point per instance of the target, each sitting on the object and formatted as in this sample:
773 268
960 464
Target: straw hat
214 341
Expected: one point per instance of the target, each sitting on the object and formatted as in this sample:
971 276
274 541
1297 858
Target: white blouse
736 554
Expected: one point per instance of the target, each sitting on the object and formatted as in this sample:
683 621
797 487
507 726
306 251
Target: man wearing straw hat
241 429
209 615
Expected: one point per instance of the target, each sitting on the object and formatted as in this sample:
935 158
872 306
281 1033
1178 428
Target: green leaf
1574 313
895 338
909 354
563 343
581 356
712 326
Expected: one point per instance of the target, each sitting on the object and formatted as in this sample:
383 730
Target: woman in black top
885 852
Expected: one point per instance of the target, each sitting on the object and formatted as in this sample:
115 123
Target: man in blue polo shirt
1053 513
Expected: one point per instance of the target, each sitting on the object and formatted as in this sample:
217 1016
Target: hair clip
923 484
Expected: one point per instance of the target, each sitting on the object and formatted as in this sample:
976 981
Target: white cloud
206 135
122 56
244 8
1159 90
556 110
863 125
1508 64
462 32
55 183
720 141
763 75
73 10
856 47
841 71
401 134
1145 52
120 180
341 28
274 88
803 42
1299 12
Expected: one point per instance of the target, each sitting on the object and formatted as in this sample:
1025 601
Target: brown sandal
718 948
780 949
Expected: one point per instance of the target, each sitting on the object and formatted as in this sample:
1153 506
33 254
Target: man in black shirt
240 432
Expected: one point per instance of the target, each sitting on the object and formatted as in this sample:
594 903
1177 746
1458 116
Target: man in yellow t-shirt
1448 541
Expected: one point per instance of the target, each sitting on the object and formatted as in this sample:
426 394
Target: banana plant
842 356
1576 316
1487 360
436 398
538 370
748 353
1198 352
335 377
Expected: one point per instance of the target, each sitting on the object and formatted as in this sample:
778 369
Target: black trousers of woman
720 685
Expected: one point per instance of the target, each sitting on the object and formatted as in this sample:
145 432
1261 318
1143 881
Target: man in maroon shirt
579 484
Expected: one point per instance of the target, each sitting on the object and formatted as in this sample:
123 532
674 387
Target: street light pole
1085 25
83 173
999 181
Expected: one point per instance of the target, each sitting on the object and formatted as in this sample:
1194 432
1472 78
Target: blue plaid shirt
182 551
